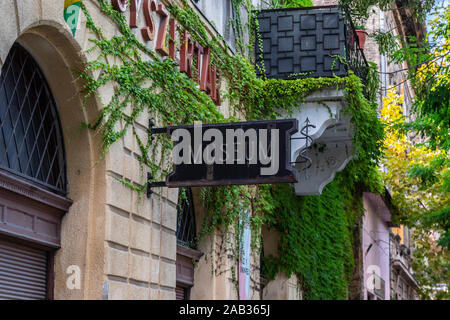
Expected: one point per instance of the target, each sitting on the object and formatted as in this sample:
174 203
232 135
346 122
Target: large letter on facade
161 46
205 68
186 52
148 32
134 11
120 5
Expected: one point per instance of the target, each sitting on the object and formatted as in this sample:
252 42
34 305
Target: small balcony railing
308 42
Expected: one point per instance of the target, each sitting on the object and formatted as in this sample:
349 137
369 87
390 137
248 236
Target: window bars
186 230
31 143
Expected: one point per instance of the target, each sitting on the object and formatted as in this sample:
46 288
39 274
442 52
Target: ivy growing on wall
316 238
315 232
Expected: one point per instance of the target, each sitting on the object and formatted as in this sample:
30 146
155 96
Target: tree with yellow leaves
422 199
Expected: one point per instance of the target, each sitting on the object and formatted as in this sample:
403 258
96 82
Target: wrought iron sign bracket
308 142
152 185
158 184
152 130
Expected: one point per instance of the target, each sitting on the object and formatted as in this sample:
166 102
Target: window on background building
405 292
400 290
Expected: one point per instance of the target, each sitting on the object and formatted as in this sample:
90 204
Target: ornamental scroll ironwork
308 142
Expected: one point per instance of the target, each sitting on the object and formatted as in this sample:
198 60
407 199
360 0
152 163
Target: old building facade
69 229
403 285
119 247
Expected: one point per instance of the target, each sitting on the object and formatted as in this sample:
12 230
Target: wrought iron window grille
31 142
186 228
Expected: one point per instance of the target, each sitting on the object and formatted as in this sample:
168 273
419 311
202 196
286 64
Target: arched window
32 179
31 143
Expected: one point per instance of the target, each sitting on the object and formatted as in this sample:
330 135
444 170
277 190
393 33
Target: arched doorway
33 181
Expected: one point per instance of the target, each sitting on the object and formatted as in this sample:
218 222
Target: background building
69 229
375 247
403 285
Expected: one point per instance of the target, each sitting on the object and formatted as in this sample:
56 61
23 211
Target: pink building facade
375 248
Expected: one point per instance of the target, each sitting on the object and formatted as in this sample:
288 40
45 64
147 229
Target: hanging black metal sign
241 153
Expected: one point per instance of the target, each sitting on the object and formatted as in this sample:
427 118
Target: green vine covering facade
318 242
316 232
